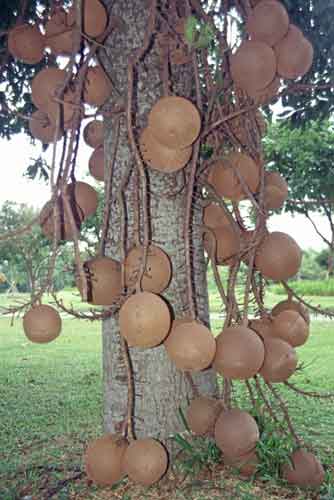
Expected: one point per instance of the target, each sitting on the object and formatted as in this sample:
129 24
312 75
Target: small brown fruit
253 66
42 128
145 461
104 459
191 346
294 54
291 327
64 229
26 43
278 256
305 471
275 190
215 216
104 281
97 87
175 122
59 35
280 360
42 324
226 174
160 157
239 354
94 133
95 17
268 22
227 243
85 197
158 269
287 305
96 164
202 415
144 320
236 433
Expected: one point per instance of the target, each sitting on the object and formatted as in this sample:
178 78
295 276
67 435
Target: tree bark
160 389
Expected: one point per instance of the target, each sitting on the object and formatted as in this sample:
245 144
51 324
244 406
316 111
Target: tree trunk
330 261
160 389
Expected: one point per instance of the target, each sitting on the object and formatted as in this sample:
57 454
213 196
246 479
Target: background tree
305 159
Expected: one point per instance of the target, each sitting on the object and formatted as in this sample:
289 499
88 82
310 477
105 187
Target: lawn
51 405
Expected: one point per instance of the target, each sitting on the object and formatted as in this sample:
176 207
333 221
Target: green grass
51 405
320 288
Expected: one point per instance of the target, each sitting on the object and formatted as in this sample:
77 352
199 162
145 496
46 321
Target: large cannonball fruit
280 360
160 157
239 353
225 176
245 464
268 22
93 133
275 190
262 327
226 241
215 216
278 256
291 327
26 43
95 17
253 66
42 324
85 196
144 320
96 164
42 128
175 122
104 281
291 305
191 346
294 54
305 470
44 87
202 415
63 229
157 273
145 461
59 35
236 433
103 459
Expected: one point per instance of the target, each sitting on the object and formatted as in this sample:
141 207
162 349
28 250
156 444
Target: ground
51 407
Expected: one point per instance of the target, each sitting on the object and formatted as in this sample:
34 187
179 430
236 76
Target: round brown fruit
44 87
215 216
93 133
294 54
158 269
227 245
160 157
42 128
225 176
239 354
64 229
289 304
266 95
175 122
291 327
26 43
104 459
278 256
97 86
104 281
268 22
95 18
202 415
68 108
236 433
59 35
191 346
275 190
144 320
305 470
280 360
42 324
253 66
84 196
145 461
96 164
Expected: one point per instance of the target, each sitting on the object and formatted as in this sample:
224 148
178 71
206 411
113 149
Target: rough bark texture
160 389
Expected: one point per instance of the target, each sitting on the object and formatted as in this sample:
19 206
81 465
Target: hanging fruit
42 324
